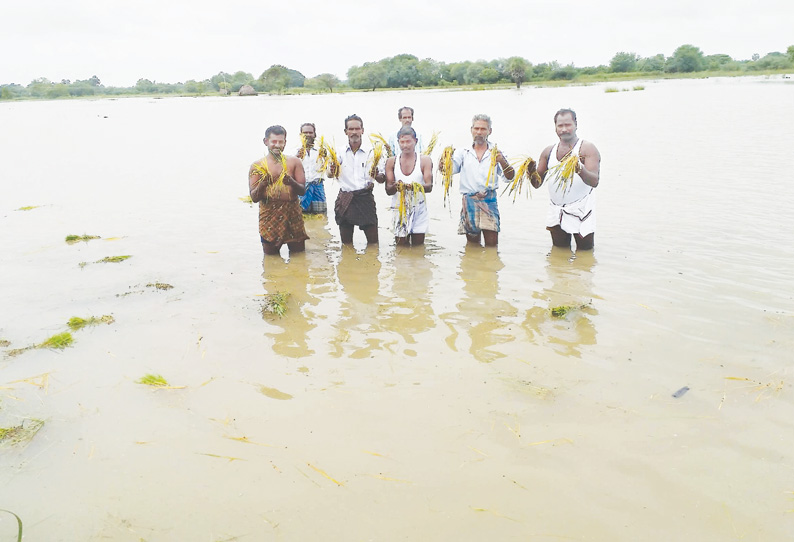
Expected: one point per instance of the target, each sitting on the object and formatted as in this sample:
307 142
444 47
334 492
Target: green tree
651 64
516 68
685 59
278 78
624 62
429 72
145 86
328 80
716 62
790 52
371 75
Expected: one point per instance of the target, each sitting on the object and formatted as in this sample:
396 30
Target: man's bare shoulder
589 148
546 152
425 160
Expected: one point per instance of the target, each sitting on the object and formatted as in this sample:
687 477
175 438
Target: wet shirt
474 172
310 166
355 169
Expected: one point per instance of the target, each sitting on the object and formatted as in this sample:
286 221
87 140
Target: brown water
407 394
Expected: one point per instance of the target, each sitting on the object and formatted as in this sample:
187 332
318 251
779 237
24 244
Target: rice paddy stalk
75 322
445 168
113 259
407 201
564 171
377 154
322 155
304 144
378 137
20 434
432 144
525 171
276 303
492 167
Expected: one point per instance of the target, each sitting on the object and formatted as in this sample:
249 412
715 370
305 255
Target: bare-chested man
409 176
280 216
572 208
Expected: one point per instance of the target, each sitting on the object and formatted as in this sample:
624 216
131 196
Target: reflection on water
480 313
305 277
570 291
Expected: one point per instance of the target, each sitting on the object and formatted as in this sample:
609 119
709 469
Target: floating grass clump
28 207
75 322
108 259
4 343
72 239
611 89
159 285
563 310
59 341
276 303
639 87
21 433
156 381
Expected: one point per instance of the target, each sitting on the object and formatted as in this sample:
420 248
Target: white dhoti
417 220
576 217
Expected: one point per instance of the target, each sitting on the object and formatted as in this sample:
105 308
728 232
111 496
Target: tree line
408 71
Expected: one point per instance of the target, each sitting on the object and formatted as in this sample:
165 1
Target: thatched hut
247 90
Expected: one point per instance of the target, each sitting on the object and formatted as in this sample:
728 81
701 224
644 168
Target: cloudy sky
176 40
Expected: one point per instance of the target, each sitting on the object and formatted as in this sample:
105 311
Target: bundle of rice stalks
75 322
564 171
432 144
525 170
445 168
304 145
276 304
378 137
409 197
377 154
492 167
327 154
264 173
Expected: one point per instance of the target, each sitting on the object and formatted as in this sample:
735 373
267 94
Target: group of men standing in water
284 196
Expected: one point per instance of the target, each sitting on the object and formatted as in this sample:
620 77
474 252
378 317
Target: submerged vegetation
75 322
159 285
28 207
276 303
108 259
21 433
59 341
563 310
72 239
156 381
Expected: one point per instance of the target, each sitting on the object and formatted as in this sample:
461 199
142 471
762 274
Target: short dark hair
309 124
565 111
275 129
400 111
353 117
406 131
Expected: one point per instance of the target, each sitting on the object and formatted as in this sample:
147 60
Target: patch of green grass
59 341
153 380
21 433
75 322
611 89
72 239
639 87
276 303
28 207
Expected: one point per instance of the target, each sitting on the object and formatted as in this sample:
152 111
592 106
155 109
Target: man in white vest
572 205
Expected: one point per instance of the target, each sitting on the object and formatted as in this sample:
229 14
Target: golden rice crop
408 201
525 170
564 171
445 168
432 144
377 154
492 167
378 137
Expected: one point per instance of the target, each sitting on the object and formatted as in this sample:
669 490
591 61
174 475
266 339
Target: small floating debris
273 393
4 343
75 322
564 310
72 239
156 381
276 303
28 208
108 259
21 433
681 392
59 341
246 199
159 285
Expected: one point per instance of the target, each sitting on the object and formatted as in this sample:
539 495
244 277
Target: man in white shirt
572 203
355 204
406 116
479 214
313 201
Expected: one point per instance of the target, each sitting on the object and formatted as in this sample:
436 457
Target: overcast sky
175 40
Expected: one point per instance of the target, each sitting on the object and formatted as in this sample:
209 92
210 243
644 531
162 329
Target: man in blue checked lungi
480 167
313 201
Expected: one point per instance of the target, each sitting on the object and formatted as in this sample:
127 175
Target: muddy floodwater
407 393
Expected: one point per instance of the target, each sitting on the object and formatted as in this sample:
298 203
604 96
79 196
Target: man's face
354 131
407 143
308 133
566 127
275 143
480 131
406 117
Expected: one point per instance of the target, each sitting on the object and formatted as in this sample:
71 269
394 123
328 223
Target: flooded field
406 393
